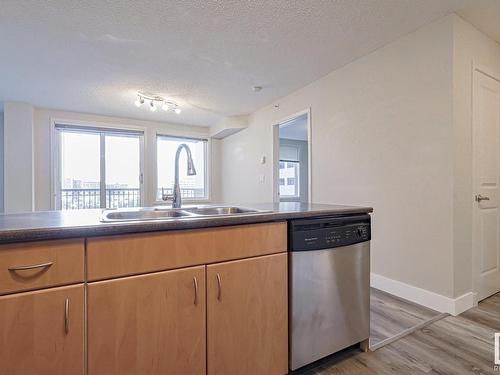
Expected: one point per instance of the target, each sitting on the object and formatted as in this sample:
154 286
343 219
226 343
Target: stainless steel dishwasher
329 286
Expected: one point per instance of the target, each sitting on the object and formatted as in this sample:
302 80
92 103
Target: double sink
161 213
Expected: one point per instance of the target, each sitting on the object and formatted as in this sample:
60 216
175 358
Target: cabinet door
42 332
148 324
247 316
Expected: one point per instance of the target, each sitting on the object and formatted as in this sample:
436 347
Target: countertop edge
109 229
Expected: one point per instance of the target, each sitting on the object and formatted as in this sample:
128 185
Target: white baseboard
438 302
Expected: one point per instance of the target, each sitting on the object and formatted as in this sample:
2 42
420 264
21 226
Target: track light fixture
139 101
156 101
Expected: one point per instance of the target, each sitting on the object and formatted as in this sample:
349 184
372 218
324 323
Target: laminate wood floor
452 345
390 315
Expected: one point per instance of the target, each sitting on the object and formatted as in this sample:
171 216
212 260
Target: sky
80 159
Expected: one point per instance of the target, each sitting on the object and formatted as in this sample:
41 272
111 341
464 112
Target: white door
486 155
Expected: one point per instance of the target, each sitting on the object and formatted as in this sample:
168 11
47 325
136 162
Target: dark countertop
49 225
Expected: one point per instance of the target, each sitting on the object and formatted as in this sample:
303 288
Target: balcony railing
78 199
186 193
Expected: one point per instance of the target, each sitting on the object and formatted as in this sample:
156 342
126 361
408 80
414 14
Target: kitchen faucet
191 171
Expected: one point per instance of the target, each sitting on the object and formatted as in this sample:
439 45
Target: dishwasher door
329 301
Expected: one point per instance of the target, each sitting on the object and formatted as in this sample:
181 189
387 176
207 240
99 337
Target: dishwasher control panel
325 233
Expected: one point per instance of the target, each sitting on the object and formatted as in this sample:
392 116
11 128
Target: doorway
292 159
486 184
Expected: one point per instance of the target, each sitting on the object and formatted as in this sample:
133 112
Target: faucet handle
166 197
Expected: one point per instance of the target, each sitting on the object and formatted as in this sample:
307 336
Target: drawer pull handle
195 283
31 267
66 316
219 288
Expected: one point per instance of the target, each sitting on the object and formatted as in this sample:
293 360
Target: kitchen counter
50 225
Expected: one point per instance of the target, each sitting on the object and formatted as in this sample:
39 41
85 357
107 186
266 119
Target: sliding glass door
98 168
123 171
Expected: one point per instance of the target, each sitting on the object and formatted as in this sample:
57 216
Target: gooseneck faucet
191 171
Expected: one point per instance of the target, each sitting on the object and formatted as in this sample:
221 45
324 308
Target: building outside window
98 168
289 179
192 187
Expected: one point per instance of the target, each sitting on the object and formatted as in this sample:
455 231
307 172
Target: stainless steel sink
160 213
142 214
216 211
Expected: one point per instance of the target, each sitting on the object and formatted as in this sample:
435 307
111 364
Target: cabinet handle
195 283
66 316
31 267
219 286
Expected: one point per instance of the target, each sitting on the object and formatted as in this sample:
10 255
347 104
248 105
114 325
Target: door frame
490 72
276 153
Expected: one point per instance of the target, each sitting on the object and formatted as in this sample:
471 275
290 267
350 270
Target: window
192 187
98 168
289 179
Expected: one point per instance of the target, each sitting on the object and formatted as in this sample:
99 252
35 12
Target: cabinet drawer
35 265
115 256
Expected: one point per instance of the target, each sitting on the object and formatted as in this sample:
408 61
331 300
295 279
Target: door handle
478 198
66 316
195 283
219 288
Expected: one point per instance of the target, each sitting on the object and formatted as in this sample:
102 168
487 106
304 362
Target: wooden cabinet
116 256
42 332
149 324
36 265
185 302
247 319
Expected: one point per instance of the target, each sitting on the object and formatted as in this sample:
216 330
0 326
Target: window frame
206 165
93 128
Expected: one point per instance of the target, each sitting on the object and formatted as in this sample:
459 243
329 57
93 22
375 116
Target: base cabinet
176 303
149 324
42 332
247 321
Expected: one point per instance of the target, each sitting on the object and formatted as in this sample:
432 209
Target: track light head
157 101
139 101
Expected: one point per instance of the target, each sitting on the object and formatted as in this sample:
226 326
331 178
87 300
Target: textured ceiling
93 55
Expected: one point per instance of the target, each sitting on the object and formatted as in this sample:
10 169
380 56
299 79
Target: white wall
381 136
43 150
18 157
470 47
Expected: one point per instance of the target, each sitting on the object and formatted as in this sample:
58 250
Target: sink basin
142 214
216 211
161 213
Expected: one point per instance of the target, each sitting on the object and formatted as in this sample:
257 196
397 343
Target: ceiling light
139 101
156 101
152 106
